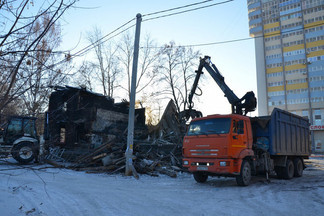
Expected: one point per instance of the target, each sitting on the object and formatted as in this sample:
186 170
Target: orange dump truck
239 146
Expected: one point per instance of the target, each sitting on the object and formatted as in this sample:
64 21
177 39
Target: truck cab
216 145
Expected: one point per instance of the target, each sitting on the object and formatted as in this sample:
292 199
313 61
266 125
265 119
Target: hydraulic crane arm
216 75
238 106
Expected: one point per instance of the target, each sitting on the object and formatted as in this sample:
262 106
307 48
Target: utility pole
129 169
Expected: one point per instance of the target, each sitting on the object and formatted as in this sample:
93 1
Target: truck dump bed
286 133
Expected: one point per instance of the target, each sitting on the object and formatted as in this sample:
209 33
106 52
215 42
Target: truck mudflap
229 167
246 153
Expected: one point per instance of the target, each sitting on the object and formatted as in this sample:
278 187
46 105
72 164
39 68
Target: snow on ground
29 190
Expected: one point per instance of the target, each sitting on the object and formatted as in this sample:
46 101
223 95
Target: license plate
202 168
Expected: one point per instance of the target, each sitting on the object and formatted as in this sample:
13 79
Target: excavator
240 106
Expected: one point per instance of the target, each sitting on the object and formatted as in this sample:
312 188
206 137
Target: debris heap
89 131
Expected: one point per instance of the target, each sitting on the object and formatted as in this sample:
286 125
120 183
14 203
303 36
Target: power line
185 11
207 44
236 40
219 42
89 47
96 43
176 8
101 40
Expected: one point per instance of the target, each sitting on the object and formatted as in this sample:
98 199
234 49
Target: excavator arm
239 105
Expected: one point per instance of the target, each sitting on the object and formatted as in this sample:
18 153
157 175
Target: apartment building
289 45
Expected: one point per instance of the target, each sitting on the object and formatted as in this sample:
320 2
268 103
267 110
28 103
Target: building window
276 93
289 34
298 61
315 58
314 19
298 101
313 39
296 81
279 83
276 103
274 65
317 89
297 71
314 9
293 43
313 49
317 117
62 135
278 74
297 91
294 52
316 68
317 78
317 99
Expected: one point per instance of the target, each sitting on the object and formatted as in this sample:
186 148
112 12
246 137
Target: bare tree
177 65
106 65
188 64
18 40
125 57
40 68
84 75
147 65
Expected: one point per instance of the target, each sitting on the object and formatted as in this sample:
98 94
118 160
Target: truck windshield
209 126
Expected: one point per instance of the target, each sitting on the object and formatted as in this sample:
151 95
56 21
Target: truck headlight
224 163
185 162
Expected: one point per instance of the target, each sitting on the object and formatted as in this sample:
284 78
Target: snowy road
65 192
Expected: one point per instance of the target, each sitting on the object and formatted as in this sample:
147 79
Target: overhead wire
189 10
176 8
105 39
237 40
101 40
96 43
82 51
90 46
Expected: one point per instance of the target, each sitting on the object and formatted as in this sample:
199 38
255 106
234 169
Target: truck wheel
200 177
288 171
245 175
299 168
279 171
23 152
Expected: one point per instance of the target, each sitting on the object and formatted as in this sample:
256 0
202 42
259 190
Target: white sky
236 61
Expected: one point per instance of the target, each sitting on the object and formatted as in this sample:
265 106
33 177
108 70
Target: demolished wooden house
90 130
79 120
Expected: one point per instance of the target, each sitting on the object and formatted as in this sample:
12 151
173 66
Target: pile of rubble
157 152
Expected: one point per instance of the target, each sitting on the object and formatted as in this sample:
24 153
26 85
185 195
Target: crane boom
238 106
